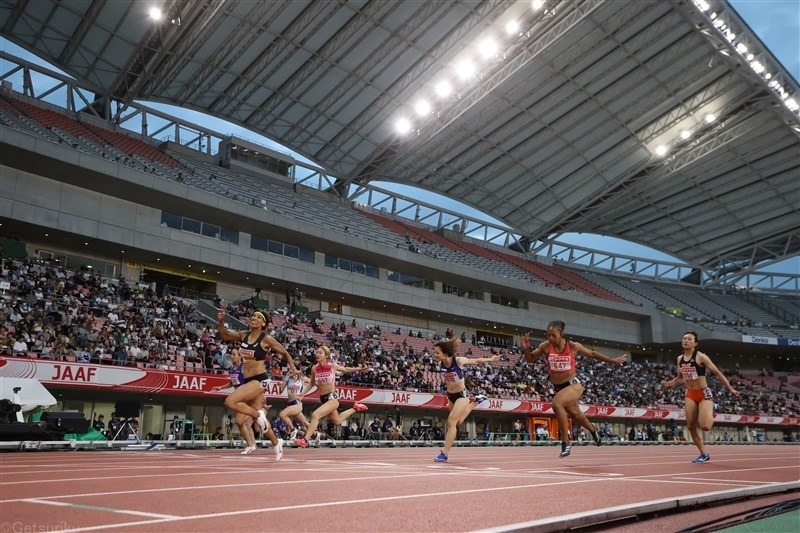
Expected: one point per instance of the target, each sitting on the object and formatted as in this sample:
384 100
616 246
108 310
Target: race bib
450 377
559 363
689 372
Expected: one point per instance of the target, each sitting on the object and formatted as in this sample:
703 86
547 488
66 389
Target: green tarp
92 434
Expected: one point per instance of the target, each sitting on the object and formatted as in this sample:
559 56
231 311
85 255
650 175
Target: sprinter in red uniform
560 357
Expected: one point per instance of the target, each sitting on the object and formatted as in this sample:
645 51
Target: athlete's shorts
330 396
263 378
453 396
700 395
562 386
293 402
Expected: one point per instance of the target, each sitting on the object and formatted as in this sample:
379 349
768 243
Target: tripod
126 424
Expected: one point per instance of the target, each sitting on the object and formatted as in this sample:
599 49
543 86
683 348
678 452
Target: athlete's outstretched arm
594 354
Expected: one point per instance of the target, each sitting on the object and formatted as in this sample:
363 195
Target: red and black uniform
562 362
692 370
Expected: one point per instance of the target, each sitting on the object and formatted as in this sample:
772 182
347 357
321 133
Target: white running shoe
279 450
293 435
262 420
249 450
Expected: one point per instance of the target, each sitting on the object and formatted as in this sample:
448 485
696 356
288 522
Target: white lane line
324 505
568 473
225 486
100 508
743 481
676 482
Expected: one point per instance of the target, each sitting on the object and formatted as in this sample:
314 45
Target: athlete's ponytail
448 346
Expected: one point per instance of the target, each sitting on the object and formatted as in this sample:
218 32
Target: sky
775 22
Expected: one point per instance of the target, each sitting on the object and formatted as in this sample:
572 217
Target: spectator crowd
51 313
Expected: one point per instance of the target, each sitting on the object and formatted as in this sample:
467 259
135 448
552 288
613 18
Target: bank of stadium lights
722 26
465 70
662 149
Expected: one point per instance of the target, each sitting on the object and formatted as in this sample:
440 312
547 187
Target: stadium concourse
124 228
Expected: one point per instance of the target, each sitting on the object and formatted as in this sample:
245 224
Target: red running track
369 489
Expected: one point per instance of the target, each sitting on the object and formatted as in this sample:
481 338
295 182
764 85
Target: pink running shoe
301 443
360 407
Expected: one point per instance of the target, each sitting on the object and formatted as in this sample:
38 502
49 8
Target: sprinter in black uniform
256 348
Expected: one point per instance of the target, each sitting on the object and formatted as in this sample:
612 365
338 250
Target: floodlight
443 89
661 150
488 48
155 13
465 69
403 125
422 107
512 27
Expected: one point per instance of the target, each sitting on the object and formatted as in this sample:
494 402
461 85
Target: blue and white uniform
453 374
293 389
236 376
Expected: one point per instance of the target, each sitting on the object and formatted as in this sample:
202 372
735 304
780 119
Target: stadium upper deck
444 257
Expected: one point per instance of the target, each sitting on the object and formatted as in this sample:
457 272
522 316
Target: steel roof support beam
240 91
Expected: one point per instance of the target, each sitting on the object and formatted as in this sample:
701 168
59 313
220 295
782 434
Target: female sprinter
294 384
323 375
560 356
244 422
692 366
255 348
460 404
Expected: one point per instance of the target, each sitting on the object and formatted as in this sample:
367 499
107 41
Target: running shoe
301 443
596 436
566 449
262 419
702 458
293 435
478 398
360 407
441 458
279 450
249 450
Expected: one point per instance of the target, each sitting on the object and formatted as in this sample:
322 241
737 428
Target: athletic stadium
378 177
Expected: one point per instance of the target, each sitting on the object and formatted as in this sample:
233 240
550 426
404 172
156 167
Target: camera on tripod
9 410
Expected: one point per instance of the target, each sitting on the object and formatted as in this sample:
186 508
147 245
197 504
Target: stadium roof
664 123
